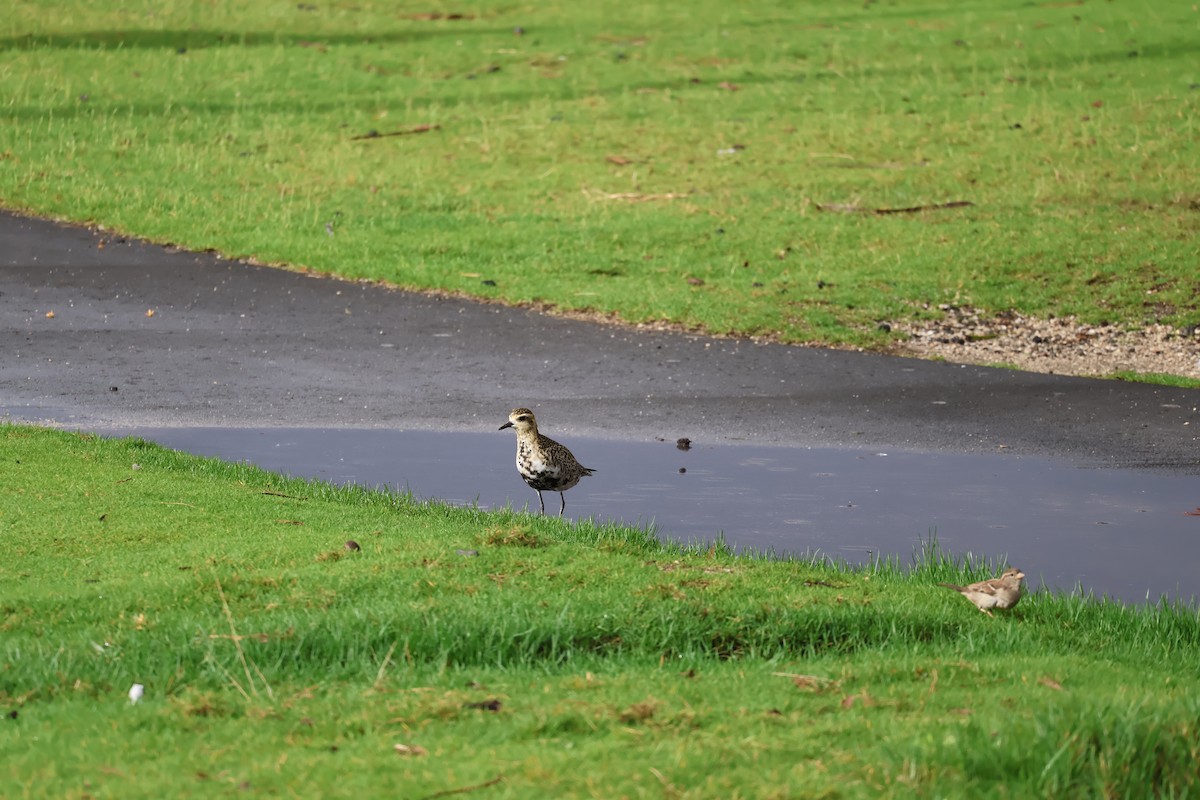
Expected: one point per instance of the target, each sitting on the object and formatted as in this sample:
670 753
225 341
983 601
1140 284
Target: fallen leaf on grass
1050 683
866 700
825 584
639 712
261 638
805 681
620 161
485 705
431 15
727 86
414 750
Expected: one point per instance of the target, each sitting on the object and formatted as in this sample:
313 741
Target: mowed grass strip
725 167
527 656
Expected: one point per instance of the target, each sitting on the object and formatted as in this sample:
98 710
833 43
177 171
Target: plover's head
522 419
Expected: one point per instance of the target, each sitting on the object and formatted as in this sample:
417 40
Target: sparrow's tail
951 586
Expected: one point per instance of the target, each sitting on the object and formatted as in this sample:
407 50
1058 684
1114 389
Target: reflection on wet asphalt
1125 534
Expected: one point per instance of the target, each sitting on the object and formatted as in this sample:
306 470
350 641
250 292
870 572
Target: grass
712 165
1159 378
513 655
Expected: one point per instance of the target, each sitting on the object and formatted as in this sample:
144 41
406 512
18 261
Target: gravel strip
1058 345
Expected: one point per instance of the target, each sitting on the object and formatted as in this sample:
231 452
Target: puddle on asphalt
1126 534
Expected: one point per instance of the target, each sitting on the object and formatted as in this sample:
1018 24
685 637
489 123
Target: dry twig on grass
405 132
465 789
632 197
842 208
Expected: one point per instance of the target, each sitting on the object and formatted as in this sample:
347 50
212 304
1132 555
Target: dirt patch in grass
514 536
1063 345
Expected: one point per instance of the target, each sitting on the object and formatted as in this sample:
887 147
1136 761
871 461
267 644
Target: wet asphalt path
235 345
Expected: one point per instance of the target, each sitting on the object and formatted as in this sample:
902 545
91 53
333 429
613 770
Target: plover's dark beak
505 425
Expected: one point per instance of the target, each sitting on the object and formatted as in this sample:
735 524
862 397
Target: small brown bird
1002 592
544 463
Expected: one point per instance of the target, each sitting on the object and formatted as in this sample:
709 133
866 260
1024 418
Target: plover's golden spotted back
544 463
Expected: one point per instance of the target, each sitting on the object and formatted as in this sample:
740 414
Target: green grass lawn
711 164
517 656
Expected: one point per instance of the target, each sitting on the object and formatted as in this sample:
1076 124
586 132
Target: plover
544 463
1002 592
